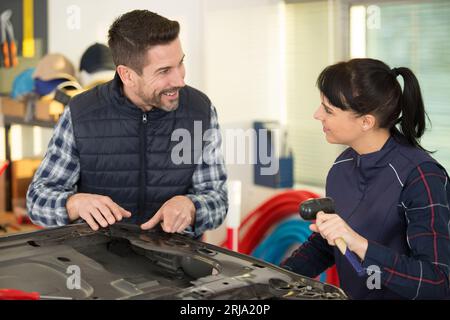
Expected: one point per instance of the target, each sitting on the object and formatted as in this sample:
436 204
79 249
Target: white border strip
401 183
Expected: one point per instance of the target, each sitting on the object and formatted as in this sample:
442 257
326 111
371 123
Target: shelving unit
12 113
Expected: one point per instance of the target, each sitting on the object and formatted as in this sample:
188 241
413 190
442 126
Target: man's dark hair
133 33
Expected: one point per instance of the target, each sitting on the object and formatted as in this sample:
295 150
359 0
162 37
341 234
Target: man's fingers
165 227
106 213
182 227
125 213
186 222
90 221
172 219
114 208
152 222
99 217
180 222
117 210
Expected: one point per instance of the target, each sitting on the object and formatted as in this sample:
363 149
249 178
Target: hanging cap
23 83
90 80
97 58
54 66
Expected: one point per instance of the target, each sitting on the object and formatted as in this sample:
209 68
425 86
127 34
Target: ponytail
412 121
369 86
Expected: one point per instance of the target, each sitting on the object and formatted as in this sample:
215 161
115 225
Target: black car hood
124 262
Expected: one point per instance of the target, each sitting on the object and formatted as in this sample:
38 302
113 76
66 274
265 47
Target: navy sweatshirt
397 198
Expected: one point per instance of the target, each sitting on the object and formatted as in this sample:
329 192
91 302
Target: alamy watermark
373 17
239 146
73 21
374 280
73 281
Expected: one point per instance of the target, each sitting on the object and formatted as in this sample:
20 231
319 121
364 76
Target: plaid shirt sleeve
424 273
56 178
209 190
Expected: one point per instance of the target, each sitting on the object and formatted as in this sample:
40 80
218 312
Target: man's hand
175 215
95 210
332 227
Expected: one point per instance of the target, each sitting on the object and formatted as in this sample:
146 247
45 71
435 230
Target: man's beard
155 100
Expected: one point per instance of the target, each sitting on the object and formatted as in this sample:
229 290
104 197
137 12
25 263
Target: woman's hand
332 227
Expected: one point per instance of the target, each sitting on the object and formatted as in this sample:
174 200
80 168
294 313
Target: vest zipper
143 169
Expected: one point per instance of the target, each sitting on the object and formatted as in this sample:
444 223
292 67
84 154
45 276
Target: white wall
244 76
68 37
233 47
244 71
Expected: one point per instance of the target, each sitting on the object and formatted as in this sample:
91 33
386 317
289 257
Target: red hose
267 215
258 222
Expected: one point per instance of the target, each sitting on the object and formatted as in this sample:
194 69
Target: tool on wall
28 45
9 48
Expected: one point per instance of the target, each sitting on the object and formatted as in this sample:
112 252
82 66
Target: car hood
124 262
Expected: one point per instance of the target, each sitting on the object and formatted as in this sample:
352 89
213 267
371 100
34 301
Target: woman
391 196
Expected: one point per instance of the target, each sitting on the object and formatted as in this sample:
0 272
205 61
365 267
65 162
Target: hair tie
395 72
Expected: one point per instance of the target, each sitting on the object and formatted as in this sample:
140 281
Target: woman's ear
126 75
368 122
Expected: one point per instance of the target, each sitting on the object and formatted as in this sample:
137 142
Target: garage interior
257 60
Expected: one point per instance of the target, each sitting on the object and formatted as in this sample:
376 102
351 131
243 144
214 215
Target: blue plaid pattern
57 176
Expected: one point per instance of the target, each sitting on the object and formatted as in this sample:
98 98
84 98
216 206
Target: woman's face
340 127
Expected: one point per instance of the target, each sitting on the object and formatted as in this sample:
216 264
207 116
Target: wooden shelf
10 120
14 112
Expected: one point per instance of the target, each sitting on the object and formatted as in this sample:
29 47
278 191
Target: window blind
416 35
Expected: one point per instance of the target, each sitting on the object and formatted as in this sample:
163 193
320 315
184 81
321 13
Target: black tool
308 211
309 208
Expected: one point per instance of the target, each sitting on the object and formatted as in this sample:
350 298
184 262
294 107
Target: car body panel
125 262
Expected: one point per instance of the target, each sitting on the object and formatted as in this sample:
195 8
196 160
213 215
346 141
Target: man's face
162 77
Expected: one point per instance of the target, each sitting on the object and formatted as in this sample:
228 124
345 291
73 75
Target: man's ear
127 75
368 122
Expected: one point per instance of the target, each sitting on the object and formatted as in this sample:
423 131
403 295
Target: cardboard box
22 174
48 110
11 107
42 110
45 109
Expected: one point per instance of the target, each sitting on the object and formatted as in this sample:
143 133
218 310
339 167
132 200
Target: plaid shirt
57 177
424 273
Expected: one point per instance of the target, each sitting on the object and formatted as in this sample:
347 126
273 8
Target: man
112 157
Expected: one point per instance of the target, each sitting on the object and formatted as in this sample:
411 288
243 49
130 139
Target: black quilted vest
125 153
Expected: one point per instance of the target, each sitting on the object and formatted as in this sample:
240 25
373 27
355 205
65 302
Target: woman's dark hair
369 86
133 33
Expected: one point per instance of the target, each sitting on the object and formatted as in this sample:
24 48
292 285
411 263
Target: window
413 34
312 28
416 35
